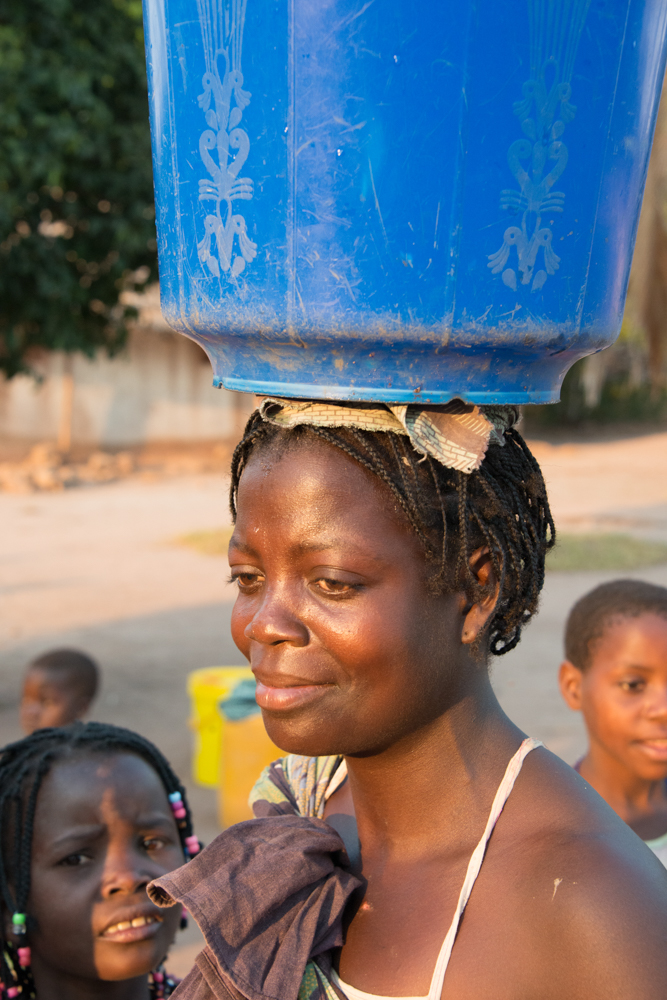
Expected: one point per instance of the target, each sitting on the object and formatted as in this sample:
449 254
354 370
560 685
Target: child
89 815
615 673
58 689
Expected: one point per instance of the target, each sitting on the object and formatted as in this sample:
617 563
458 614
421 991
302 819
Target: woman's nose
275 622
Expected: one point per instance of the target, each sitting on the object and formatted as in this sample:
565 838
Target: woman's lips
277 699
137 929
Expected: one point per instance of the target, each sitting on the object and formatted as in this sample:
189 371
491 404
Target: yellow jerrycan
245 749
207 688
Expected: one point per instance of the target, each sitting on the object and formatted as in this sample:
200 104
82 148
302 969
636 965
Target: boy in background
58 689
615 673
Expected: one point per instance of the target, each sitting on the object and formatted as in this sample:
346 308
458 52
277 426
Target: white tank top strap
474 865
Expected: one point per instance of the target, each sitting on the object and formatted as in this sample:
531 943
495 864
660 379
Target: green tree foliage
76 196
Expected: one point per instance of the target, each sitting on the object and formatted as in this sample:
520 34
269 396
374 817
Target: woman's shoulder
555 816
569 903
299 785
590 894
601 921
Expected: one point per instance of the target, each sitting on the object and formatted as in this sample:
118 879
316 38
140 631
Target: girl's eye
247 582
75 860
153 843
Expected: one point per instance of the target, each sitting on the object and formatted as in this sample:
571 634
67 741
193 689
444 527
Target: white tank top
437 982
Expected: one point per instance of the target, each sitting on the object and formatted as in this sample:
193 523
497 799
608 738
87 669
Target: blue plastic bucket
400 201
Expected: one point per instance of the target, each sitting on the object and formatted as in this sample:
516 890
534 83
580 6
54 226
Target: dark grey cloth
268 896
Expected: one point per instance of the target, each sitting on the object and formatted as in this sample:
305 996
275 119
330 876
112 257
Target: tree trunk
647 297
66 407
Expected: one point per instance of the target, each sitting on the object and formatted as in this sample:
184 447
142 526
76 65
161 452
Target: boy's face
49 700
623 694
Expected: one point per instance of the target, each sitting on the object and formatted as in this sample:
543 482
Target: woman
381 554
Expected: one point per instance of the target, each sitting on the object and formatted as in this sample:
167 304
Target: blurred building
158 389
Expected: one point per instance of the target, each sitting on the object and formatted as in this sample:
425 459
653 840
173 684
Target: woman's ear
477 615
569 680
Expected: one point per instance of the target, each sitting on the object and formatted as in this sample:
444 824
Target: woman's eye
75 860
247 582
328 586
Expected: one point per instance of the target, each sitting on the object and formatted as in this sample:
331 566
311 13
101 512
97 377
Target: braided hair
502 505
23 767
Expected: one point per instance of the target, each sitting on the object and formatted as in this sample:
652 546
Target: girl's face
350 650
103 830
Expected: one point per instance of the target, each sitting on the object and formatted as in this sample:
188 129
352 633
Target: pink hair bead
13 991
158 977
192 845
180 813
24 957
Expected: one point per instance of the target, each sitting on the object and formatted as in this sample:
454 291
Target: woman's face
350 651
103 830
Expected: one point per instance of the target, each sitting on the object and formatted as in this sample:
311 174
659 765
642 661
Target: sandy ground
612 485
96 567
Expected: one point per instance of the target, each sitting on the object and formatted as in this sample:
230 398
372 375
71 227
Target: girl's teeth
126 924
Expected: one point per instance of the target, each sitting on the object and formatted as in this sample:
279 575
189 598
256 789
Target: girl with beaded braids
413 842
89 814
